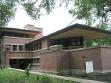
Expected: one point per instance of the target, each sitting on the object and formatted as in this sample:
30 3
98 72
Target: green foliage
85 8
2 67
93 11
10 76
37 8
27 70
98 42
96 12
34 8
48 5
7 11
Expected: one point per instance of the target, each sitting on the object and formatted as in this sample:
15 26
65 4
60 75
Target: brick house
62 51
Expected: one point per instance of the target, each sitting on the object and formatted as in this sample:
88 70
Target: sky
58 19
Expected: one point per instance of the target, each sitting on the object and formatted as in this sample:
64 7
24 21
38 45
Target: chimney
31 27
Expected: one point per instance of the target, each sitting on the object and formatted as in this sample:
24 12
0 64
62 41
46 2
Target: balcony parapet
56 47
19 55
88 48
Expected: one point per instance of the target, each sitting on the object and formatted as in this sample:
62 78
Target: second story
31 38
15 39
71 37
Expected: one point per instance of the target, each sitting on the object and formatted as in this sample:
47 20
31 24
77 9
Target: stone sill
38 64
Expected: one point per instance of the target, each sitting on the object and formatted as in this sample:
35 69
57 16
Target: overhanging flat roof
15 30
80 30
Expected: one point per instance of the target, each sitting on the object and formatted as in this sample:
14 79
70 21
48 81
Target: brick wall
79 57
55 59
20 55
70 60
106 59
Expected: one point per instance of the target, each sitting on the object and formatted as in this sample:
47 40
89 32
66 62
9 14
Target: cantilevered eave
78 30
30 32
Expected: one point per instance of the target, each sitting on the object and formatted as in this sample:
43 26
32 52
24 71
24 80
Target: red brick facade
74 60
56 58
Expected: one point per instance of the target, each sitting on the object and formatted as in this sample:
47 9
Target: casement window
21 48
36 60
17 48
14 48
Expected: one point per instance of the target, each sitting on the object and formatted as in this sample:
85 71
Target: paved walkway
63 77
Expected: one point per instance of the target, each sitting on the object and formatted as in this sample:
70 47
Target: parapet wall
57 60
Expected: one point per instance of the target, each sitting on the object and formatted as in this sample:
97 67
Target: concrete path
63 77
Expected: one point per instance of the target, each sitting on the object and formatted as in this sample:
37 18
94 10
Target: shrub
27 70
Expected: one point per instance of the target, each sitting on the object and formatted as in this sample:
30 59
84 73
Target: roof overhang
78 30
23 31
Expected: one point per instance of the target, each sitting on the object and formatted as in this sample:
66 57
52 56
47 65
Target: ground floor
57 60
75 60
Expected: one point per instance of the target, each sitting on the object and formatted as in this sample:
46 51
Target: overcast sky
58 19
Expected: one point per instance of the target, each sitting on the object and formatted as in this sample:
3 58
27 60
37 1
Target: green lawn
11 76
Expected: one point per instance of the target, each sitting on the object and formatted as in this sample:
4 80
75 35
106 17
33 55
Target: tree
92 11
34 8
7 10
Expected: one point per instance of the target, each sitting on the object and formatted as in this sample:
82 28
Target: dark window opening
36 60
20 63
72 42
33 46
20 48
14 47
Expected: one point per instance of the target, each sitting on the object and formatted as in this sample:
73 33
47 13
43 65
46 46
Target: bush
27 70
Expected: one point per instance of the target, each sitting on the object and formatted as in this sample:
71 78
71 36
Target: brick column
54 60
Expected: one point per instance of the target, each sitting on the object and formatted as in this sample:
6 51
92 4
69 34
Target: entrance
20 63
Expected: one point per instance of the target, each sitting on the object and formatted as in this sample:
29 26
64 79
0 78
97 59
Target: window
21 48
14 47
36 60
40 45
36 46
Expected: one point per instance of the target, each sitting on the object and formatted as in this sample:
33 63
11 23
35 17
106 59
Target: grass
11 76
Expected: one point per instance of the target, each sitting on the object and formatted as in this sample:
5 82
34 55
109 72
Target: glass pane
20 48
14 47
